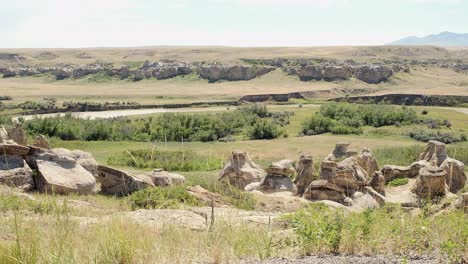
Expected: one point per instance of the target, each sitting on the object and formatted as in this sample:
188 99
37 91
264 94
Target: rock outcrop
17 134
324 190
367 161
305 173
430 182
373 73
279 178
378 182
15 172
120 183
41 142
350 175
391 172
434 153
163 178
341 150
240 170
217 72
456 177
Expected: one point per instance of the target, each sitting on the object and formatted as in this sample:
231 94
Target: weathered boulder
430 182
434 153
350 176
63 176
4 136
328 168
277 183
373 73
341 150
83 158
391 172
305 173
41 142
456 177
367 161
283 167
119 183
13 149
378 182
240 170
17 134
324 190
15 172
163 178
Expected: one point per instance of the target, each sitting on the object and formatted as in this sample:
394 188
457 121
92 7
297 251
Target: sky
124 23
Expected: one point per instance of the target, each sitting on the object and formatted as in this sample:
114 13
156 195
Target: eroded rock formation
240 170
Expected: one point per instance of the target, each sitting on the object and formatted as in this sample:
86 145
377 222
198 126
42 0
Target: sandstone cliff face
216 72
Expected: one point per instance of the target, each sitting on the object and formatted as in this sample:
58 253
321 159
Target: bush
168 160
162 198
446 138
316 125
398 182
264 129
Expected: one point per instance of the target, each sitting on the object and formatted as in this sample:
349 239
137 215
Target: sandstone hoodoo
391 172
323 190
456 177
305 173
367 161
430 182
350 175
434 153
120 183
163 178
341 150
240 170
279 178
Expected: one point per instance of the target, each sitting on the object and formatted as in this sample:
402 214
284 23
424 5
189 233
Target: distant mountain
441 39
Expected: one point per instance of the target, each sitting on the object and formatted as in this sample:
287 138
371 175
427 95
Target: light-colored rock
283 167
207 197
430 182
305 173
373 73
63 177
456 177
120 183
17 134
41 142
277 183
350 176
240 170
163 178
324 190
4 139
391 172
328 169
376 195
367 161
15 172
402 195
435 153
13 149
378 182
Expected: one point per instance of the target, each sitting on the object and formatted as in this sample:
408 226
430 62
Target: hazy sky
95 23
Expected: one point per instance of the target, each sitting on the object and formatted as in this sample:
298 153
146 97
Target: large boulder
367 161
120 183
15 172
279 178
324 190
63 176
17 134
434 153
456 177
373 73
240 170
334 72
310 72
163 178
328 168
350 175
305 173
83 158
430 182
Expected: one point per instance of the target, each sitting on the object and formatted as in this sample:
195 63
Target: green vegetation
162 198
166 127
168 160
343 118
447 138
5 98
388 229
10 202
398 182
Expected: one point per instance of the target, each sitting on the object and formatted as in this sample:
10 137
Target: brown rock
328 169
15 172
283 167
240 170
324 190
41 142
430 182
119 183
434 153
163 178
378 182
305 173
13 149
391 172
206 196
350 176
277 183
456 177
367 161
17 134
341 150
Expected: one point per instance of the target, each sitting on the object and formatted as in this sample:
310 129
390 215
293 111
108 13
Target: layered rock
279 178
456 177
378 182
217 72
391 172
430 182
305 173
41 142
341 150
367 161
434 153
120 183
373 73
163 178
15 172
17 134
350 175
324 190
240 170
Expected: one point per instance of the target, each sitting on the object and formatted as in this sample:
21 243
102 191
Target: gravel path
331 259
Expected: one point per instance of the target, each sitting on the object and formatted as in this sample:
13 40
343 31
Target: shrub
162 198
316 125
398 182
446 138
264 129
